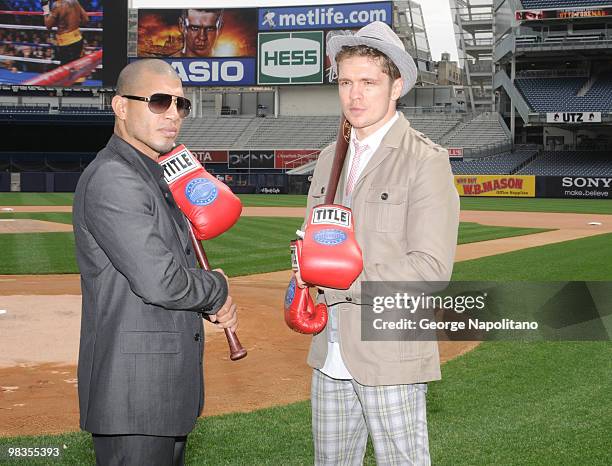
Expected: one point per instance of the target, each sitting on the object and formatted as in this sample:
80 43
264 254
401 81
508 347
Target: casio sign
580 182
209 71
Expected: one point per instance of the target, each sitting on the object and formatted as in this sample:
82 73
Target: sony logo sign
582 182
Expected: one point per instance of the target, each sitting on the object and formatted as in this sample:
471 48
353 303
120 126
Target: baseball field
498 403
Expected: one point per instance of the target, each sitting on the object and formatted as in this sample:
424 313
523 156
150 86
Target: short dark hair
387 65
217 11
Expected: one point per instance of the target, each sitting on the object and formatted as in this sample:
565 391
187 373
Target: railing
488 149
476 17
580 73
542 40
428 77
478 42
435 109
524 163
47 108
482 67
584 147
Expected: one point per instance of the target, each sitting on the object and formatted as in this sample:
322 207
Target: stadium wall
309 100
5 181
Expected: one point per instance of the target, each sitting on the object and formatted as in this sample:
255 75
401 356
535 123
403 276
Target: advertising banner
563 13
214 71
249 46
495 185
324 16
214 47
573 117
255 159
70 54
211 156
455 153
294 158
290 58
578 187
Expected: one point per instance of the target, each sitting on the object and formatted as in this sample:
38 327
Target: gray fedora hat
379 36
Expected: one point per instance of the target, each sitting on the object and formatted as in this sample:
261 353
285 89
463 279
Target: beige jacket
406 216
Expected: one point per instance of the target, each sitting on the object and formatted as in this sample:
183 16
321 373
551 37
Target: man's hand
227 316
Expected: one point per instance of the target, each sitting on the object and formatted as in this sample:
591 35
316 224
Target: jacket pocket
386 208
318 194
150 342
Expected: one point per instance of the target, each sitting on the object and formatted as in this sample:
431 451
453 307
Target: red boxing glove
328 255
210 205
301 314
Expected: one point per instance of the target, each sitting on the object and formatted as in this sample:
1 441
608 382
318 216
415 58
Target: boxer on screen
68 16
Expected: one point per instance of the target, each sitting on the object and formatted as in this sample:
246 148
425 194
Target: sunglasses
159 103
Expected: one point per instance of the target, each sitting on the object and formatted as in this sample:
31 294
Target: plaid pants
344 411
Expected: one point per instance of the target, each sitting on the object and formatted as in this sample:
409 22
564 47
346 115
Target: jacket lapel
134 159
390 142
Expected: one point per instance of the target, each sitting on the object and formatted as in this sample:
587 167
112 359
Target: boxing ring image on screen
51 42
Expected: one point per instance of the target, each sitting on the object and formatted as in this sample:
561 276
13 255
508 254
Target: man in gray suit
140 358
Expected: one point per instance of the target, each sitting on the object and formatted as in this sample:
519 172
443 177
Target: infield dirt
39 332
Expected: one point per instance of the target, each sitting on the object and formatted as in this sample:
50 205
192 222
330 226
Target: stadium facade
532 95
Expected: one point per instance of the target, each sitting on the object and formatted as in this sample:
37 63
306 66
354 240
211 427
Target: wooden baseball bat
237 351
342 143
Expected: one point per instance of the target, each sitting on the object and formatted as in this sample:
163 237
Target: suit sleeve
120 214
431 227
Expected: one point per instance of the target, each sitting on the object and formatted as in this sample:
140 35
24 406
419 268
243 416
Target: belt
68 38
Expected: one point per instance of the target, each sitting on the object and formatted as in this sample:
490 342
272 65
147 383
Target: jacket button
384 196
322 190
166 195
349 299
188 252
196 337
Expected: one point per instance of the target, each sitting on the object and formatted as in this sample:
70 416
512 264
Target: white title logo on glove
331 216
178 165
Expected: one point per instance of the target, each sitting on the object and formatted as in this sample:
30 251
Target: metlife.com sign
324 16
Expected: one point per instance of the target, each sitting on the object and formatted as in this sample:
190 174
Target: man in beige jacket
406 212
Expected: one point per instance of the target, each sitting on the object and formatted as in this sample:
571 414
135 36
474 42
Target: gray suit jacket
406 215
140 356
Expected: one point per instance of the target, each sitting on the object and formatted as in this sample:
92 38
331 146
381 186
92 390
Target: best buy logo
290 58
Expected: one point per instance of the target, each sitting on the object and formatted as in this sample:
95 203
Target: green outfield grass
503 403
583 206
471 232
579 259
587 206
273 200
254 245
36 198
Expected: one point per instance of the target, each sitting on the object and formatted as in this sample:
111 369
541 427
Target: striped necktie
359 150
